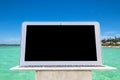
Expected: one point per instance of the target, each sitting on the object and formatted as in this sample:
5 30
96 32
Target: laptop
60 44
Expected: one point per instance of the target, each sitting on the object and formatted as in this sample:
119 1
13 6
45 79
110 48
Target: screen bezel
54 63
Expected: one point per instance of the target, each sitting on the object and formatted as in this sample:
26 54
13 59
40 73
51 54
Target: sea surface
9 57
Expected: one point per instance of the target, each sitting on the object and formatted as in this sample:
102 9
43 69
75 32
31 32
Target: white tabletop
62 68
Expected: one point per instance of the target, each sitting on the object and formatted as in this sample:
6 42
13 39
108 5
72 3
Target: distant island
9 44
111 42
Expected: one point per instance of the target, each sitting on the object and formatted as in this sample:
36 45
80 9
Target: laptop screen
60 43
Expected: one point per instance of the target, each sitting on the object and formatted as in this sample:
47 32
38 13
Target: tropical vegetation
111 41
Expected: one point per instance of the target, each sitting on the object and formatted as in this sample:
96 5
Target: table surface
62 68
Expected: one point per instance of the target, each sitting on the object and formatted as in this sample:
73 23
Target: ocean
9 57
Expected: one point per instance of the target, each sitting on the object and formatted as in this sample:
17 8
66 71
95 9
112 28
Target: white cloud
10 41
111 34
106 37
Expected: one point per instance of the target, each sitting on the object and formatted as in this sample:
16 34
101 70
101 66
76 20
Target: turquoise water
111 57
9 57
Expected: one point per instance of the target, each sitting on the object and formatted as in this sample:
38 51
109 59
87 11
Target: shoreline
19 45
111 46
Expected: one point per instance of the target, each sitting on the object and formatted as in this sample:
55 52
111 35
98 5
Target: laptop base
63 73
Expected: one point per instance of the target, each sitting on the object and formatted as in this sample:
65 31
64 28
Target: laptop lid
60 43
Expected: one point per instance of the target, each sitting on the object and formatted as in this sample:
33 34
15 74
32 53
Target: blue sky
14 12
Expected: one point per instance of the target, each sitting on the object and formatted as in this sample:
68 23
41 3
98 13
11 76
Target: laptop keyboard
64 66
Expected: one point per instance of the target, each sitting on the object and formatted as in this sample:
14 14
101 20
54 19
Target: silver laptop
60 44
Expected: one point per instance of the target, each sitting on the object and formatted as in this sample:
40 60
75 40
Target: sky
14 12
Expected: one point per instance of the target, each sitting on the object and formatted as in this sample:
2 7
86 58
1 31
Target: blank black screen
60 43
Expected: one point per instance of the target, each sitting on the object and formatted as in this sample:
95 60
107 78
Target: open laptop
60 44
